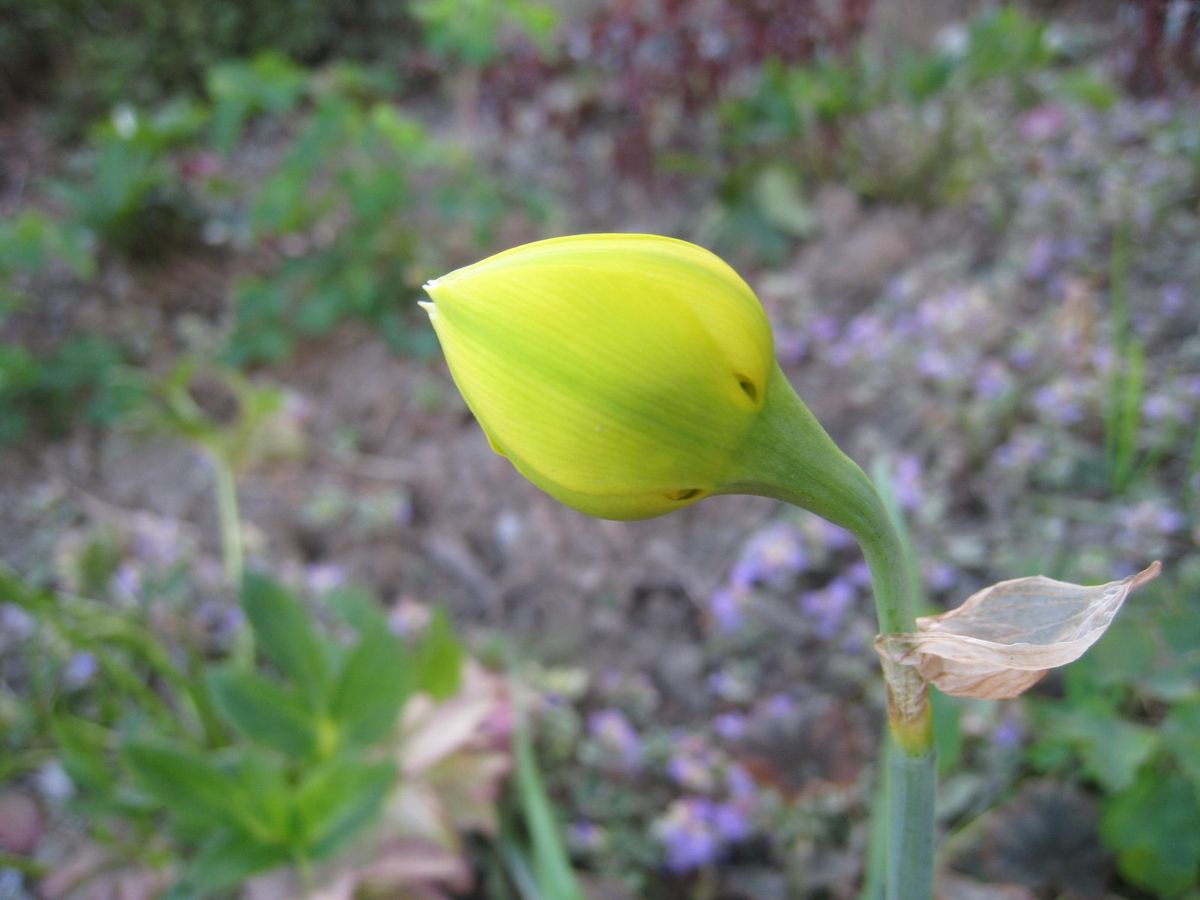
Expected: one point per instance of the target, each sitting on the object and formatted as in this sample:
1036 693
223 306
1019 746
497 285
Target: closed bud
620 373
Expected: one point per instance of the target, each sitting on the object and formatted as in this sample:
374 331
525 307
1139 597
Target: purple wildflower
730 725
1007 734
770 556
827 607
692 765
778 706
688 836
739 782
992 381
612 731
906 481
79 670
725 608
730 822
15 622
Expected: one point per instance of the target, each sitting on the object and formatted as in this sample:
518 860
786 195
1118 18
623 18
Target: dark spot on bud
685 494
749 388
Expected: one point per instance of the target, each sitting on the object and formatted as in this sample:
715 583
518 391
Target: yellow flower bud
620 373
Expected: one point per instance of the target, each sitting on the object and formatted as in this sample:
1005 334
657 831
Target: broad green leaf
374 682
184 781
286 636
267 792
338 799
263 711
224 862
1154 828
1181 734
357 607
83 752
439 658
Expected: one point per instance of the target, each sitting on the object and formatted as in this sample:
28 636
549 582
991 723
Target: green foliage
129 195
900 132
353 200
97 53
43 393
470 31
1130 722
288 764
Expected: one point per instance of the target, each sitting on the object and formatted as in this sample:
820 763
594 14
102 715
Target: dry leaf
1006 637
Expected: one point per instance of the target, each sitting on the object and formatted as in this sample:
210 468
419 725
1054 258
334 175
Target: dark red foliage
636 60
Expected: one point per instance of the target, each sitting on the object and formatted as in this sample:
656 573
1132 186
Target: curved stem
788 456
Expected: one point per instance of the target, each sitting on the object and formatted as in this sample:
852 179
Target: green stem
230 524
788 456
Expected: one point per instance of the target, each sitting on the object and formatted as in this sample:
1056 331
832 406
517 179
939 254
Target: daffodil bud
617 372
629 375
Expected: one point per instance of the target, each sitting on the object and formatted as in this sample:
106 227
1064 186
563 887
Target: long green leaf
286 636
372 686
263 711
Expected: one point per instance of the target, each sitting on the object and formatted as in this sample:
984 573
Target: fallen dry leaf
1000 642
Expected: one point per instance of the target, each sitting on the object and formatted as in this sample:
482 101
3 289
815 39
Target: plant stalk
788 456
229 522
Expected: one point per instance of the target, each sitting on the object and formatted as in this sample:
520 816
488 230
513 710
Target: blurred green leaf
947 730
263 711
340 798
439 658
1181 735
286 636
375 680
551 865
1154 828
184 781
225 861
84 752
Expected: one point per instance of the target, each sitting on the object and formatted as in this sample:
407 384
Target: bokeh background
976 230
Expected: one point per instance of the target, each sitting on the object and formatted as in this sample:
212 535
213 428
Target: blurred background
976 230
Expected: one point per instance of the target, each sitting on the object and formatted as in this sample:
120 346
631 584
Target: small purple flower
823 329
729 726
992 382
80 670
828 606
1039 264
730 822
1173 300
1057 401
906 481
791 345
739 782
1021 357
15 622
688 836
126 581
778 706
1041 123
324 577
942 577
692 765
935 364
612 731
725 607
859 574
585 836
219 621
770 556
1007 734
